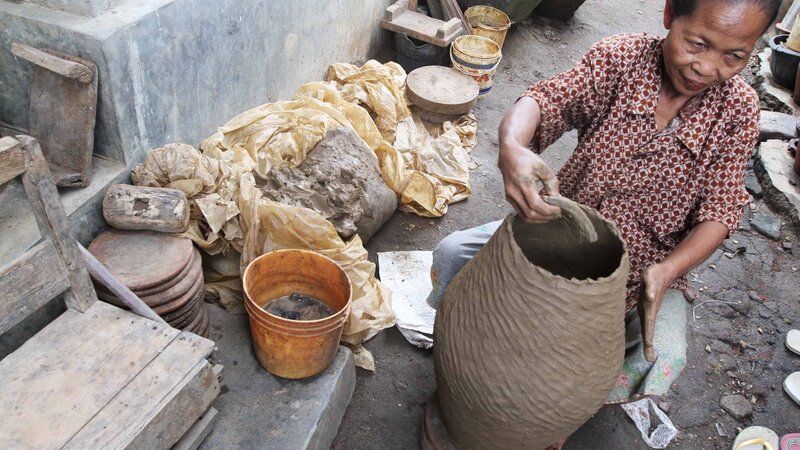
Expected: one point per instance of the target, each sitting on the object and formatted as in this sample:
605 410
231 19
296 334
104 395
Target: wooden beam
49 213
53 63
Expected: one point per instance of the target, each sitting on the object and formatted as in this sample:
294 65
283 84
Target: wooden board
195 436
30 281
442 90
13 160
142 259
58 380
117 424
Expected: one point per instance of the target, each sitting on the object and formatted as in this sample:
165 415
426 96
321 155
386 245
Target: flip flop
792 386
756 438
791 442
793 341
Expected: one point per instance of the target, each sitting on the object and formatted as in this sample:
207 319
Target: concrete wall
174 70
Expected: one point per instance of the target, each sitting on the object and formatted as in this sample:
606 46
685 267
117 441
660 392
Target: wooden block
29 282
13 160
171 376
195 436
127 207
394 11
70 69
448 28
422 27
59 380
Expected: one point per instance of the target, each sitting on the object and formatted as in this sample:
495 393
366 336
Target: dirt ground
736 327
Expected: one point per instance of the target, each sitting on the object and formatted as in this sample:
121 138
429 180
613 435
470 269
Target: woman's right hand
521 169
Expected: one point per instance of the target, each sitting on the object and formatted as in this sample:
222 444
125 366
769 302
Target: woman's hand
521 169
656 279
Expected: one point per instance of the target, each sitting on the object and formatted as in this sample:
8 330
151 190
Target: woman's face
711 45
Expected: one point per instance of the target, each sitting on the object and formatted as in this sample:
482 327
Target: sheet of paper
407 275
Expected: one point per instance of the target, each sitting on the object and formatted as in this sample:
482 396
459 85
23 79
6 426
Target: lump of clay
530 335
341 180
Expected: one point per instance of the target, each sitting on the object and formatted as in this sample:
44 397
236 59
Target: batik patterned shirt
655 185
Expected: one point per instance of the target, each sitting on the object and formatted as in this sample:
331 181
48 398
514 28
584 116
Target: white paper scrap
408 276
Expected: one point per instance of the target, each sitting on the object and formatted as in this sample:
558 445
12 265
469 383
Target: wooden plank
52 221
63 67
13 160
30 281
127 207
107 279
59 379
135 407
394 11
195 436
180 410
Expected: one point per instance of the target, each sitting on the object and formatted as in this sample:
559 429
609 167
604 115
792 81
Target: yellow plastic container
478 57
488 22
288 348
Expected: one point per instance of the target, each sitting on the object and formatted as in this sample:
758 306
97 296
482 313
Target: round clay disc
442 90
202 328
142 259
181 319
187 318
192 325
180 301
181 312
179 289
161 287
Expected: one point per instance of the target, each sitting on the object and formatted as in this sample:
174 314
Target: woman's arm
695 248
521 167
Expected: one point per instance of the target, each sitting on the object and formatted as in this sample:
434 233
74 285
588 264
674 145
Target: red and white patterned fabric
655 185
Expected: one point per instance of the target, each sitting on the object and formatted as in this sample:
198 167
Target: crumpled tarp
428 167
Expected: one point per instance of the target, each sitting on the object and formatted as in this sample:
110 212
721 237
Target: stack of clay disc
164 271
441 93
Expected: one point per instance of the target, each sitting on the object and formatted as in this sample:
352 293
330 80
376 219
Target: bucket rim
493 9
498 53
258 310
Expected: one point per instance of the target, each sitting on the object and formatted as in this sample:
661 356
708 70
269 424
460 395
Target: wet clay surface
339 179
523 357
298 307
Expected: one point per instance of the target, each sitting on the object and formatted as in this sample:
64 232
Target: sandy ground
734 347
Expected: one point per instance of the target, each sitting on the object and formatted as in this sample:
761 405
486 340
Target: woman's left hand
656 279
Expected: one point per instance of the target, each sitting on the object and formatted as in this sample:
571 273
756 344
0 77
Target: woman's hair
687 7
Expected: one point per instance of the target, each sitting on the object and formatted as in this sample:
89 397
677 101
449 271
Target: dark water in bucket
298 307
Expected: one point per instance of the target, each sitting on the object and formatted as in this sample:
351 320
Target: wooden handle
53 63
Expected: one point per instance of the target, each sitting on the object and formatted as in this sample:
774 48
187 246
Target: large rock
777 125
767 224
773 96
775 167
339 179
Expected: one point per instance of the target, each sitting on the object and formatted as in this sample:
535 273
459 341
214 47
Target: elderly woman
665 130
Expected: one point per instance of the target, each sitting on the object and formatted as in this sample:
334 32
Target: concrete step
259 410
18 230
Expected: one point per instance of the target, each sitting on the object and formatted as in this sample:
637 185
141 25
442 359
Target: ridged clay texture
530 335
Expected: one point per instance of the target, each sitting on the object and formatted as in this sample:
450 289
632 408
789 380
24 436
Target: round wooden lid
142 259
182 300
184 311
442 90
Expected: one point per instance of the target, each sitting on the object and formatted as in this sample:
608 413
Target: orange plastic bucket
288 348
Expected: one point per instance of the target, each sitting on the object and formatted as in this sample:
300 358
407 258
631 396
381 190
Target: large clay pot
516 10
530 335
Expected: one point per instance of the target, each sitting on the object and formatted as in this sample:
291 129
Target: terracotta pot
530 335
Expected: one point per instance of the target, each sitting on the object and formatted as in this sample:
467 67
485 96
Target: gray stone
751 184
775 166
777 125
767 224
89 8
260 410
737 406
